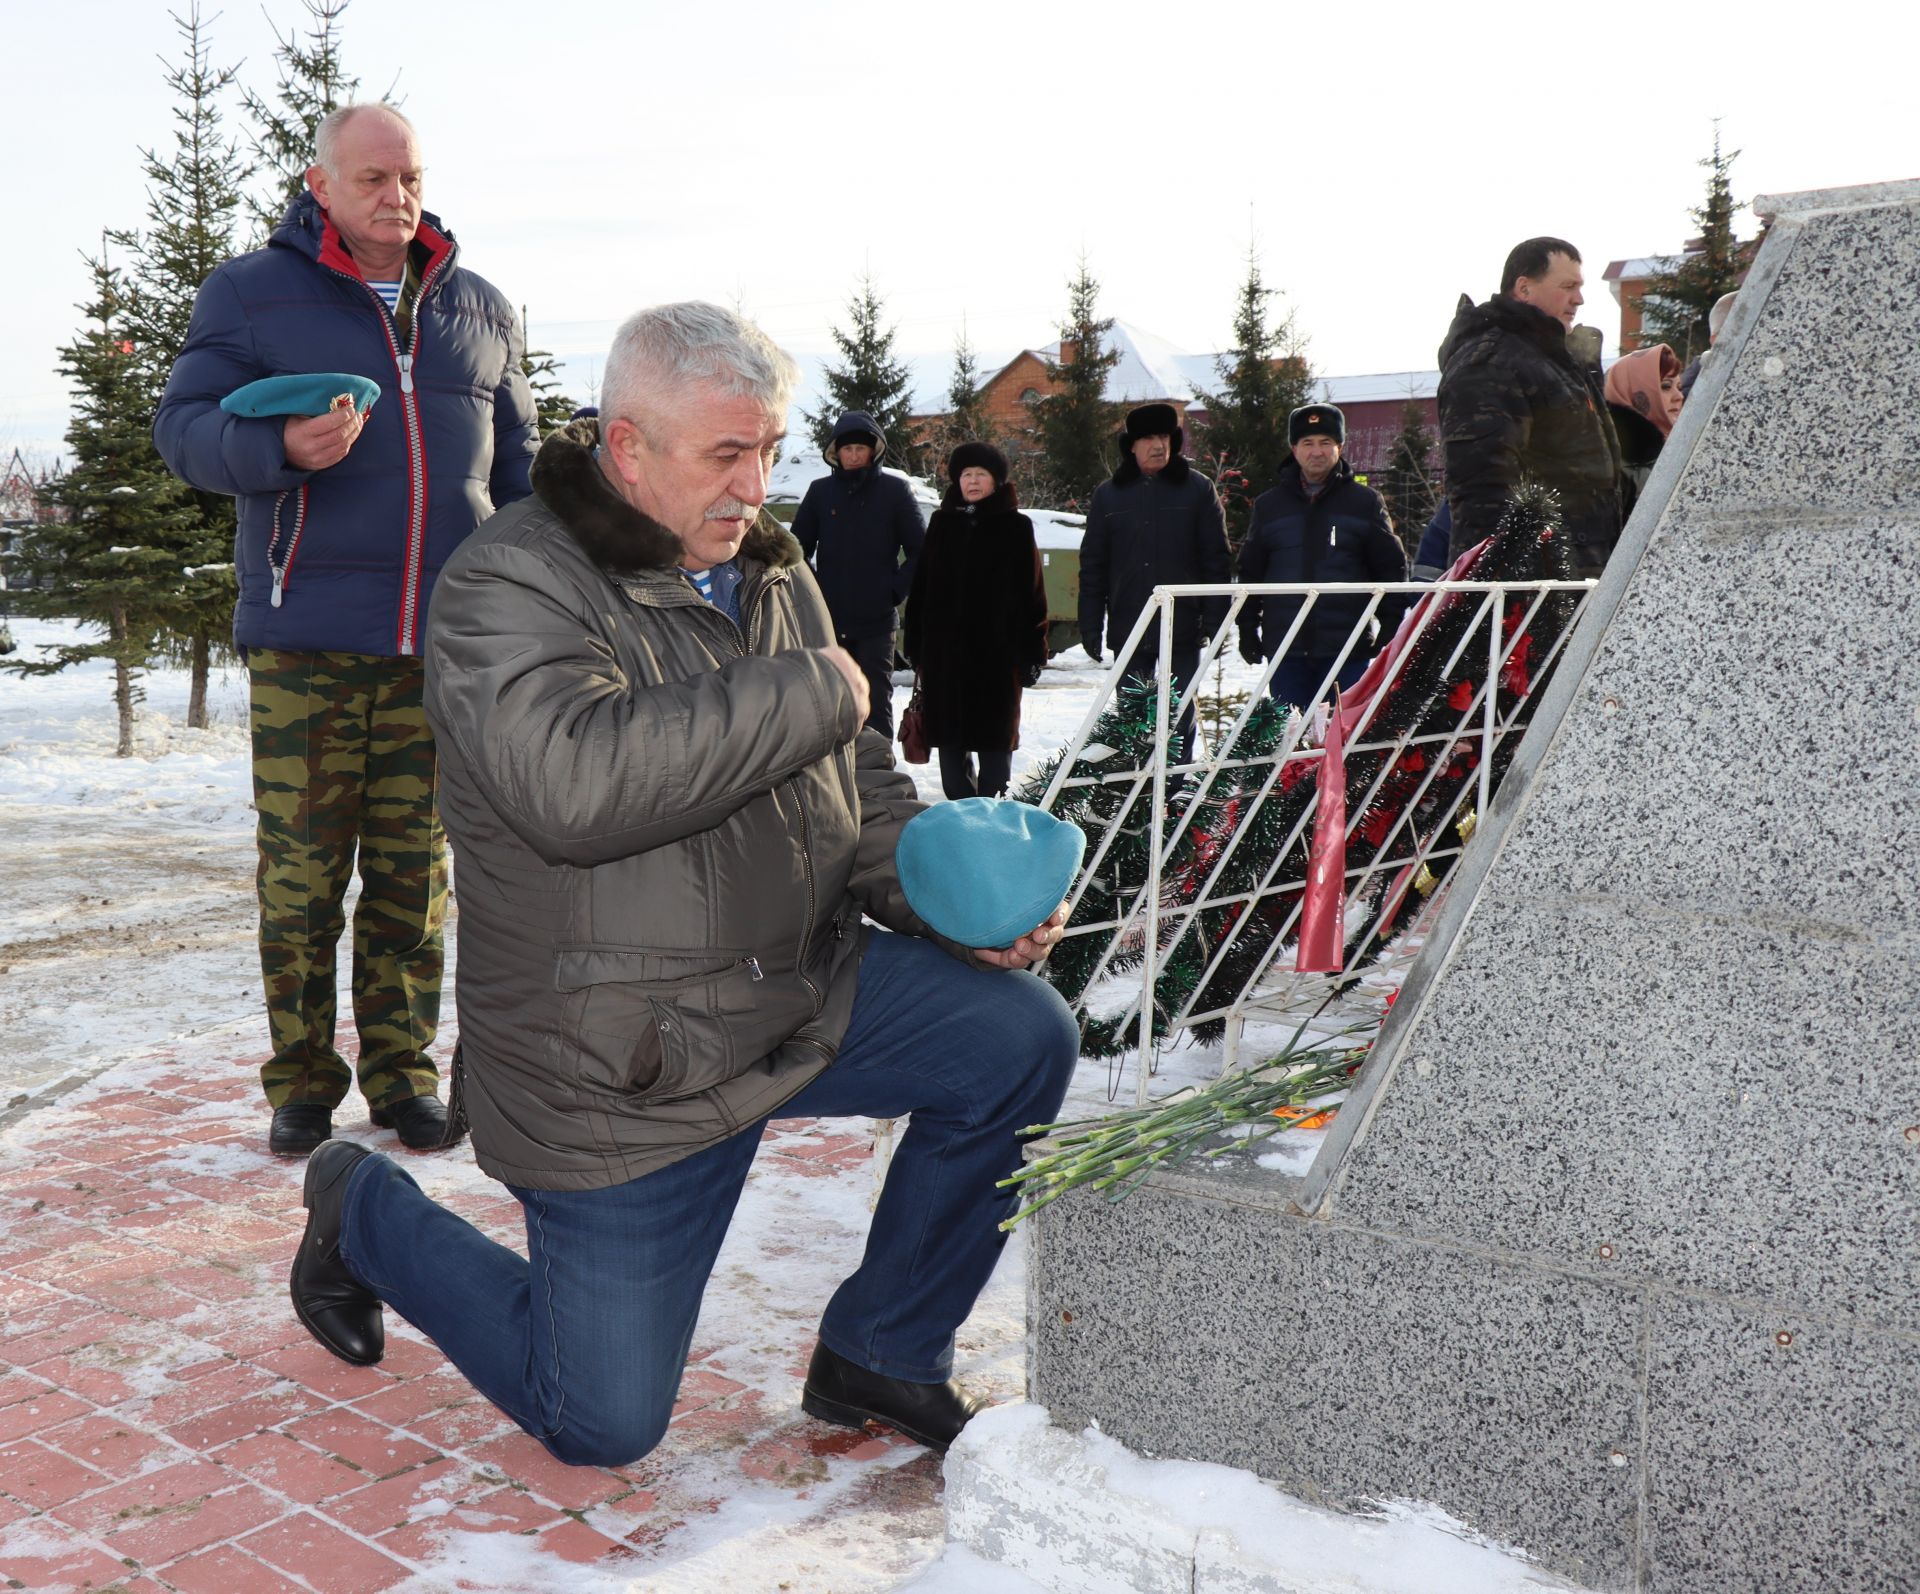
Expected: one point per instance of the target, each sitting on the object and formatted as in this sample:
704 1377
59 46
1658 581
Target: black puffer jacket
1515 403
976 622
1147 531
1342 534
861 531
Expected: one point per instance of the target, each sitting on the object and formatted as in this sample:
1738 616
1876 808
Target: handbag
913 729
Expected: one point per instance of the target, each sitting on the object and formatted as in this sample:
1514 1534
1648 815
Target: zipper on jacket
284 568
406 640
806 860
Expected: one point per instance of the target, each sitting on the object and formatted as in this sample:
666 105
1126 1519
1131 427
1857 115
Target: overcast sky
594 157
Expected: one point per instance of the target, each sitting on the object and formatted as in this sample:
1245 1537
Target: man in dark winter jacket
1517 402
1156 522
862 531
1430 560
1318 525
345 519
673 833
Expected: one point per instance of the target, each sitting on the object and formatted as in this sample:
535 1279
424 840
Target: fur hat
984 456
1154 420
1317 420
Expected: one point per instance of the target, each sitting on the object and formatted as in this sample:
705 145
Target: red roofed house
1152 371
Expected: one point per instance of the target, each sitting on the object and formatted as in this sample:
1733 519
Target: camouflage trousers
343 763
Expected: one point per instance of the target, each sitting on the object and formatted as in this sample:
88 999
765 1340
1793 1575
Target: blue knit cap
984 871
309 394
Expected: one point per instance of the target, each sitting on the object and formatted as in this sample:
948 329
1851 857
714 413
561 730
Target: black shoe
837 1391
337 1309
420 1121
298 1127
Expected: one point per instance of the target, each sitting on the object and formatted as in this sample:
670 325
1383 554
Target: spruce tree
193 211
1075 426
965 394
1407 482
869 378
966 420
103 558
313 81
1263 378
552 407
1674 306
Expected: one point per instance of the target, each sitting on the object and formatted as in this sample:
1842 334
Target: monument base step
1081 1514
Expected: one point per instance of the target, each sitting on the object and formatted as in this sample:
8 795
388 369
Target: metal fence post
1489 708
1157 819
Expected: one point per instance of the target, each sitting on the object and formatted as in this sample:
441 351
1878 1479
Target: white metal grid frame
1152 922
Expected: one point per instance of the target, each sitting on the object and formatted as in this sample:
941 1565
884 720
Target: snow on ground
126 939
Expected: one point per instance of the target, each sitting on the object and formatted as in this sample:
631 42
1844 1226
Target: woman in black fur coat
976 627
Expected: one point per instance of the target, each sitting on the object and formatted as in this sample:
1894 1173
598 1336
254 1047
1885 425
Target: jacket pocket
649 1022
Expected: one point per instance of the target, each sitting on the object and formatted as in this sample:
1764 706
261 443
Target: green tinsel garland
1235 817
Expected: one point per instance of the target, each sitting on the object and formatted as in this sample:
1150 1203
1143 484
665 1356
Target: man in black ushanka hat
1156 522
1318 523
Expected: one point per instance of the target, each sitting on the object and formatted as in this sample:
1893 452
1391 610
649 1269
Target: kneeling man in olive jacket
674 844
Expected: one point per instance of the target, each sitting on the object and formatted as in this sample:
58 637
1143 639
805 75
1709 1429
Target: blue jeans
1296 677
582 1341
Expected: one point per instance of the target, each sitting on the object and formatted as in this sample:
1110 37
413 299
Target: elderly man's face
1152 453
373 200
1556 291
1317 455
704 474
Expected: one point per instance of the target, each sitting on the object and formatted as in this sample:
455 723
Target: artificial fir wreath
1405 786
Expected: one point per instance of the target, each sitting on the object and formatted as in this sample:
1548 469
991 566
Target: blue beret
984 871
311 394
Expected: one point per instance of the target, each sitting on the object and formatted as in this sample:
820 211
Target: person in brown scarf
1644 398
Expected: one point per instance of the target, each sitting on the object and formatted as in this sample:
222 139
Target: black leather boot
337 1309
420 1122
839 1391
298 1127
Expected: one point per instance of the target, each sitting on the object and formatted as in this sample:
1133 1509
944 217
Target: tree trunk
197 696
122 684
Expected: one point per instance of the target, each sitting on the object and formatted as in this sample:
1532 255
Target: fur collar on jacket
1640 440
1173 473
1502 314
617 537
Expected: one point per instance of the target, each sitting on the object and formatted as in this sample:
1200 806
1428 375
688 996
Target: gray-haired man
669 824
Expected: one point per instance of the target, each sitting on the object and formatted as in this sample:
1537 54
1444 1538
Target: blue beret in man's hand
311 394
984 871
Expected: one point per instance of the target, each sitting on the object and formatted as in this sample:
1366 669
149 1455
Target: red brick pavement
166 1424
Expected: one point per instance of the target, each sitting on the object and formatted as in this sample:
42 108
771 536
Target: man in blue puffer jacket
1319 524
345 519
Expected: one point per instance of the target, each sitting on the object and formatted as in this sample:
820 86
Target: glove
1250 648
1033 674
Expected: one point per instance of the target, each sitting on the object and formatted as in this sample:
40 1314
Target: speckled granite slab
1615 1255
